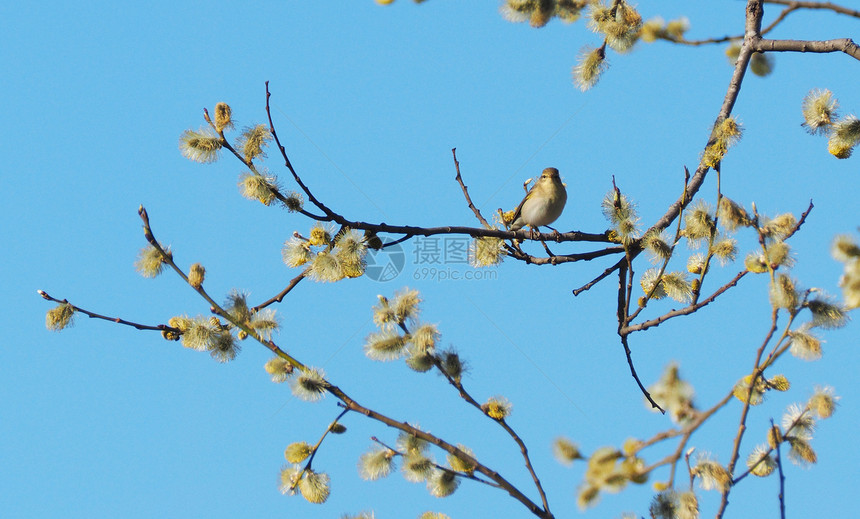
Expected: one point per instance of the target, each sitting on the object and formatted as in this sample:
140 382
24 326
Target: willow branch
756 373
781 478
845 45
686 310
328 212
335 391
117 320
513 434
282 294
459 180
816 5
465 475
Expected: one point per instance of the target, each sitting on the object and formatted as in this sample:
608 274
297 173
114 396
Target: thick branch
845 45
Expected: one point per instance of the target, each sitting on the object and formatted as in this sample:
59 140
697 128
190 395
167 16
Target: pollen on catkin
741 390
826 313
677 286
296 252
823 402
320 235
252 141
385 346
651 283
200 146
619 23
196 275
591 63
756 263
409 443
674 394
779 226
621 212
565 450
258 187
712 475
844 137
652 30
236 305
59 317
309 385
294 202
150 263
459 464
798 422
760 462
264 322
223 347
696 264
819 111
297 452
486 252
698 222
678 27
223 117
725 249
658 244
376 464
350 251
314 486
325 267
406 305
279 369
761 64
442 483
783 293
290 476
416 467
732 215
778 254
497 408
424 338
801 452
804 344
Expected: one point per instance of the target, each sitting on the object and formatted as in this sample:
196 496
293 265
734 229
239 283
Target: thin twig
465 475
817 5
622 275
458 385
459 180
781 478
117 320
328 212
756 373
686 310
282 294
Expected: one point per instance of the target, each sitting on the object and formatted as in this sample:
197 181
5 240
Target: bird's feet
555 234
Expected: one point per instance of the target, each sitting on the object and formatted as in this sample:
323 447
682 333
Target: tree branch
335 391
816 5
845 45
459 180
117 320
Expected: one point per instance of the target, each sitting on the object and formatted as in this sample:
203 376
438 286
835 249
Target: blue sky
104 421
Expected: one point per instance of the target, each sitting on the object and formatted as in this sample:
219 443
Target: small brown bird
543 203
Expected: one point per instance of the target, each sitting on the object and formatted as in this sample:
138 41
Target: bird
543 203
